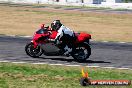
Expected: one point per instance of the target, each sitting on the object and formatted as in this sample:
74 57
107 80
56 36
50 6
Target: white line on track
108 67
105 41
67 65
122 42
39 63
124 68
93 66
4 61
19 62
26 36
56 64
73 65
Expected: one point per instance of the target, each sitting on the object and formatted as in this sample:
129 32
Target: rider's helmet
56 24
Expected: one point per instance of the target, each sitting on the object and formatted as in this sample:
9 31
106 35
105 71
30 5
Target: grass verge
45 76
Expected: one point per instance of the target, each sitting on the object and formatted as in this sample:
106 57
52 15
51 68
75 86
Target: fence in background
94 3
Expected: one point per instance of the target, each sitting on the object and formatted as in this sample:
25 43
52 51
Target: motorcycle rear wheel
82 52
33 52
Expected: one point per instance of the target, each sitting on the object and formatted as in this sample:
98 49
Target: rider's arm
59 34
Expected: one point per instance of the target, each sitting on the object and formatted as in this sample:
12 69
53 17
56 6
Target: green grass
45 76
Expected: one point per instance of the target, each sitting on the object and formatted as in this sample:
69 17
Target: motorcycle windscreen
50 48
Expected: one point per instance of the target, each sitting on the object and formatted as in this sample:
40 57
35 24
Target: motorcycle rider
65 36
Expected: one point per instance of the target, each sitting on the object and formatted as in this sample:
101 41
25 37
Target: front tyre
33 52
81 52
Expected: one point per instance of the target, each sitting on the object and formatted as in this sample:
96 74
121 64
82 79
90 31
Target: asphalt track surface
104 54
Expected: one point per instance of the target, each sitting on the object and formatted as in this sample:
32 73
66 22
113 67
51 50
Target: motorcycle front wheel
81 52
33 52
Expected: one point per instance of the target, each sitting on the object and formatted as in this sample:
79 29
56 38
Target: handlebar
51 40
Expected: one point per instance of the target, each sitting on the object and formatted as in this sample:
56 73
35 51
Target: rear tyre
33 52
81 52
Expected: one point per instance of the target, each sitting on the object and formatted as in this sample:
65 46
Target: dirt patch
102 26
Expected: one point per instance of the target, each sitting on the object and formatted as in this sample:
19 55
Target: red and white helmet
56 24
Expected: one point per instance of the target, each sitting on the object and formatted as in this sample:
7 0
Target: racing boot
67 51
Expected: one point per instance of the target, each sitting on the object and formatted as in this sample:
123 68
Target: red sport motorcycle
43 43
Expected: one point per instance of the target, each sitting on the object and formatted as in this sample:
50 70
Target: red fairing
36 37
53 35
83 36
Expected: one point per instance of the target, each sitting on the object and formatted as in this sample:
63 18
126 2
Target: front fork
34 43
